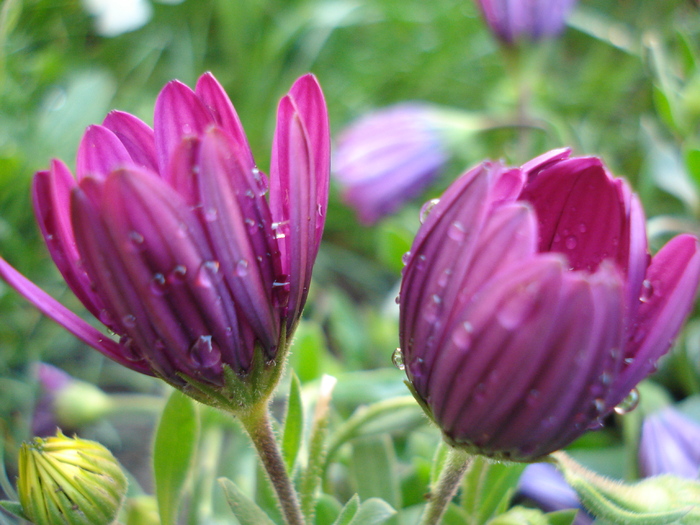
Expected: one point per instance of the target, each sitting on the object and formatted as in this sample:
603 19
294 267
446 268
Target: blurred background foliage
623 82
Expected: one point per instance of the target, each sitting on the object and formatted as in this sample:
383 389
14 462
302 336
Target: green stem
129 403
447 484
257 424
210 451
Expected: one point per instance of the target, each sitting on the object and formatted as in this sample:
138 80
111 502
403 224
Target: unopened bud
69 481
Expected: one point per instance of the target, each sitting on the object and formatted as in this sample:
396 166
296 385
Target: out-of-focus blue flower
669 444
388 157
545 486
514 20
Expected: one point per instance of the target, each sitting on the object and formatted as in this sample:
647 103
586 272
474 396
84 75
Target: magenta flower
514 20
167 238
669 444
388 157
530 306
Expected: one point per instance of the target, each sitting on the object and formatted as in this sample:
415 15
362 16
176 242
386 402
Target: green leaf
374 511
562 517
293 424
488 488
375 469
349 511
173 451
246 510
14 508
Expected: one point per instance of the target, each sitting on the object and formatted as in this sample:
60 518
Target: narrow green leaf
488 488
173 449
374 511
14 508
562 517
349 511
375 470
293 424
246 510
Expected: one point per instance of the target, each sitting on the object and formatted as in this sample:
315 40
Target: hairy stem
257 424
447 484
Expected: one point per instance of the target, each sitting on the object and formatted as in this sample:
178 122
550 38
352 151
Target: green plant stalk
456 465
257 423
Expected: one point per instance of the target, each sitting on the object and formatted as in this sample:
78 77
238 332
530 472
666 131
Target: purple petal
299 185
71 322
179 113
669 444
136 136
216 100
237 219
100 152
51 198
671 285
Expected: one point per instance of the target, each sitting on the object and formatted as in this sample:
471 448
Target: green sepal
14 508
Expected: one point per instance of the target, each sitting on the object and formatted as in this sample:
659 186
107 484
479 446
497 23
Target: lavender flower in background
388 157
545 486
515 20
167 238
669 444
530 307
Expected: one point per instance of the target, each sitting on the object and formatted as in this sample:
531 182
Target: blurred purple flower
530 306
669 444
52 381
388 157
167 238
514 20
545 486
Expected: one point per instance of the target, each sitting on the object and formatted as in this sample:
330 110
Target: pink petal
216 100
71 322
100 152
299 184
670 287
51 197
179 113
136 136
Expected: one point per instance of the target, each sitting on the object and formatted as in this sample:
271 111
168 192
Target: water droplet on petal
444 278
211 214
136 240
158 284
418 368
647 291
599 404
456 232
178 274
629 403
129 350
129 320
406 257
571 242
206 273
462 335
426 209
582 228
397 359
204 352
397 300
105 317
242 268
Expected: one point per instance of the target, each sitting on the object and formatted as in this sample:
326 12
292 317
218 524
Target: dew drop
599 404
242 268
571 242
397 300
136 239
405 258
462 336
582 228
250 194
105 317
456 232
418 368
647 291
629 403
179 273
251 225
444 278
204 352
628 360
397 359
426 209
129 350
158 284
129 320
206 273
211 214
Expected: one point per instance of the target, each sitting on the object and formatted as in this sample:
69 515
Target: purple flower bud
167 238
388 157
530 307
514 20
669 444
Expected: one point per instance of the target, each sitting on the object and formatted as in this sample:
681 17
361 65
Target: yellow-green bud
69 481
